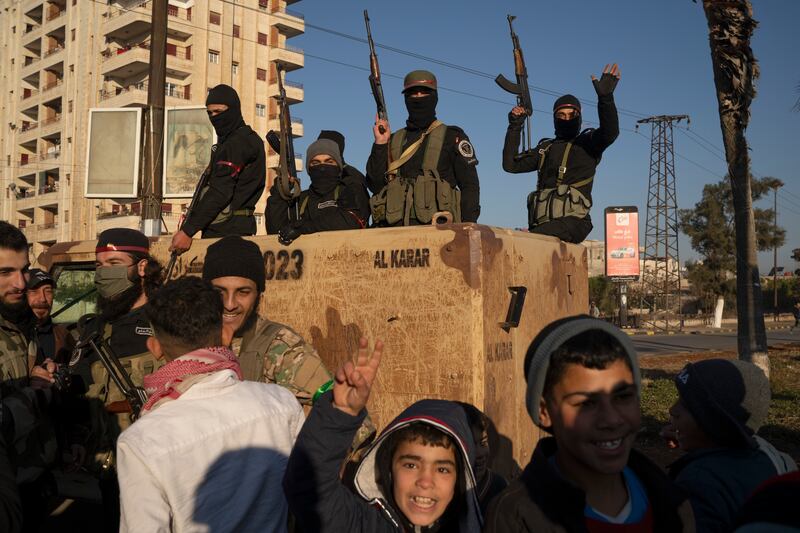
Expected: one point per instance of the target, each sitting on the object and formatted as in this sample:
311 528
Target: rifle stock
375 76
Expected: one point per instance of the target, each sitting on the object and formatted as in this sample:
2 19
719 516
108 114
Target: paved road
668 344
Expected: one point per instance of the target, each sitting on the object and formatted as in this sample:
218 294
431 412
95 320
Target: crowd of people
197 413
243 428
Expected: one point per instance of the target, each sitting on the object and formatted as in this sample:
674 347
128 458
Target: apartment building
59 58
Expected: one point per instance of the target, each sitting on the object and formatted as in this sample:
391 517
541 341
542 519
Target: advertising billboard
622 243
113 152
188 137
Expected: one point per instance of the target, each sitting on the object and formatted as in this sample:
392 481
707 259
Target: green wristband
322 390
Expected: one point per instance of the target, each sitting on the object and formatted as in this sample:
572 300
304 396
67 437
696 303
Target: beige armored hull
442 299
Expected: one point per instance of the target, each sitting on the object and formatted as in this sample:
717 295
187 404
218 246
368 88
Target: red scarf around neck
176 377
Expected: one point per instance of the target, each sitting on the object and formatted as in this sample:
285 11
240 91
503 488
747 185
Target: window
189 52
261 74
72 69
235 30
170 89
72 34
262 4
69 106
262 38
234 68
213 56
74 2
261 110
172 50
214 18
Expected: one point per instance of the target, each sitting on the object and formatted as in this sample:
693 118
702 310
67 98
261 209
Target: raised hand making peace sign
353 382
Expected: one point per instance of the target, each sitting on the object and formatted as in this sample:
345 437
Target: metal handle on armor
442 217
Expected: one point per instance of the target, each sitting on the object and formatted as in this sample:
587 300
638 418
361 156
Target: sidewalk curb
638 332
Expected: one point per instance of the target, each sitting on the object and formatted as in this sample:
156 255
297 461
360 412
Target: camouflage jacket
273 353
15 352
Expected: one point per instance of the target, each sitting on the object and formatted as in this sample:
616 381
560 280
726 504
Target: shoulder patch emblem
465 149
147 332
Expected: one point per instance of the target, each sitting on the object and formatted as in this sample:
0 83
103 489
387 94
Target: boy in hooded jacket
583 388
417 475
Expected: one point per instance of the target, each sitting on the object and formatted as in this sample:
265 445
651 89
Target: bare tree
730 27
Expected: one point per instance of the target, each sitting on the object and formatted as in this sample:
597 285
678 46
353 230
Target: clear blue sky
661 47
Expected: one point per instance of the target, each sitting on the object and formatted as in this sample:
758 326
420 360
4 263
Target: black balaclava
324 178
421 111
567 129
229 120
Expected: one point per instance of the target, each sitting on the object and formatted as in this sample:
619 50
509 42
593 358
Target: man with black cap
567 163
226 205
334 201
267 351
53 340
425 168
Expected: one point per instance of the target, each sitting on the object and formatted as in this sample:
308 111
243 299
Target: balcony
53 156
52 88
31 33
289 57
294 91
122 24
46 232
126 62
28 132
52 56
53 16
26 199
27 94
49 125
137 95
133 95
29 65
297 127
289 23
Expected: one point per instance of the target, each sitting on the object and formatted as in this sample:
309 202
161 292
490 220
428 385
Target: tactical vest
304 201
137 366
256 343
227 212
563 200
15 353
416 197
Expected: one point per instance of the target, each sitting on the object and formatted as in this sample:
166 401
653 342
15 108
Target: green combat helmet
419 78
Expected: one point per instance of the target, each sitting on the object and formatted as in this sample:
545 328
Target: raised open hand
353 382
608 81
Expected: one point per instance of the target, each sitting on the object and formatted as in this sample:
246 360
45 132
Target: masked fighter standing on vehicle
226 202
567 163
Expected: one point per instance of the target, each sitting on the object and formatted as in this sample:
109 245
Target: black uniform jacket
585 154
540 500
323 212
238 173
320 501
456 165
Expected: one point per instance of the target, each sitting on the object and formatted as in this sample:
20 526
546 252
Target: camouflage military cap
419 78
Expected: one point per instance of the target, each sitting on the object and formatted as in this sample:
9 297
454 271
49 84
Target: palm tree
730 26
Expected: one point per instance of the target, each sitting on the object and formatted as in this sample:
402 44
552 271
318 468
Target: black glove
605 85
516 120
287 234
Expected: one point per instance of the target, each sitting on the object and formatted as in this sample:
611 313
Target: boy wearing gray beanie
583 389
334 201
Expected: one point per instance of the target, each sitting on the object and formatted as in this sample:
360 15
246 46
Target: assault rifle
521 87
375 76
288 184
198 191
92 337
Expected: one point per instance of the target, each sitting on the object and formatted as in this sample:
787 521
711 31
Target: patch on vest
140 330
465 149
328 203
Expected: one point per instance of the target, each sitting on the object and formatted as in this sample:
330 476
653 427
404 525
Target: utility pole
153 167
662 283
